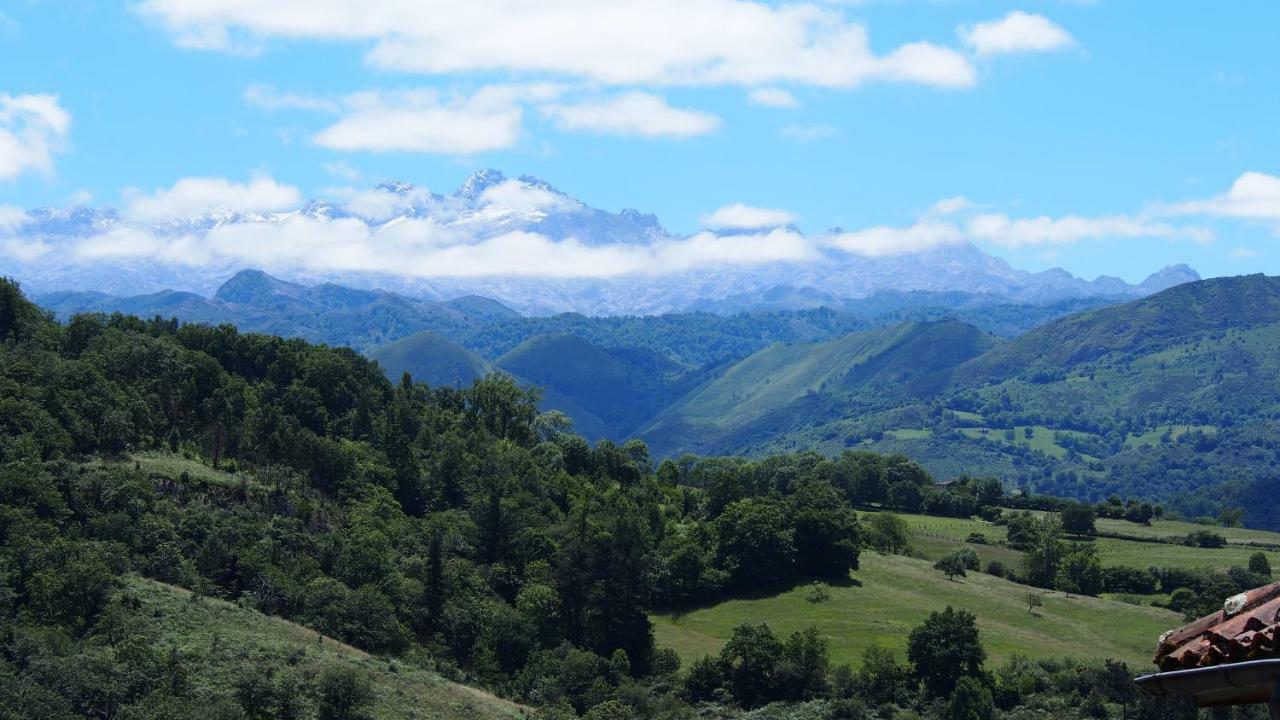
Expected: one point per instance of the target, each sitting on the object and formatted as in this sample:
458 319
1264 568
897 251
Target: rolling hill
902 362
432 359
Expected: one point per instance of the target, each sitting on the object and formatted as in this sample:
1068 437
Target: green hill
903 361
432 359
894 593
613 389
230 639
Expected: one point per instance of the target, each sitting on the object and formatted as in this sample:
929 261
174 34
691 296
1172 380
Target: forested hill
457 529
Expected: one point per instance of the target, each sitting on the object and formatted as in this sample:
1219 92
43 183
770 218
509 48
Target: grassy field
896 593
173 465
1041 439
1152 437
226 636
933 537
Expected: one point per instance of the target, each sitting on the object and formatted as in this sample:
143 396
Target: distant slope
616 387
1141 326
902 361
225 635
432 359
1174 398
254 301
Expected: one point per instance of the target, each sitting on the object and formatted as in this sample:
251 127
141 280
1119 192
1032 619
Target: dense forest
458 530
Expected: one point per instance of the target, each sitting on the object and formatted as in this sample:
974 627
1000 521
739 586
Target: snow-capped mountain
520 241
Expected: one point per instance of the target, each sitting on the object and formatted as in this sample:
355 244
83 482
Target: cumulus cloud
1016 32
949 206
268 98
12 219
197 196
772 97
427 121
633 114
424 248
1253 196
521 197
1044 230
617 42
747 217
883 241
33 128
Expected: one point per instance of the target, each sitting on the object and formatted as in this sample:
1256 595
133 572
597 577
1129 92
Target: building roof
1246 628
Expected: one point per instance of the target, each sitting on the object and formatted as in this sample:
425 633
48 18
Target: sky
1102 137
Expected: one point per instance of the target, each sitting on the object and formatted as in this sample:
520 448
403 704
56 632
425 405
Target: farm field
896 593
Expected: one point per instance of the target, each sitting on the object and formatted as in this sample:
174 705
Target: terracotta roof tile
1247 628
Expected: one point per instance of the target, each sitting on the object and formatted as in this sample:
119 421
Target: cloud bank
33 128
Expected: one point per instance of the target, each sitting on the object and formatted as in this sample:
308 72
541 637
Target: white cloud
808 133
196 196
1044 230
747 217
521 197
772 97
949 206
428 121
12 219
1017 32
633 114
883 241
1253 196
32 129
423 248
25 250
268 98
614 42
1242 253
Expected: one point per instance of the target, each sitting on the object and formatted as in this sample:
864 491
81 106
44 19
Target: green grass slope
226 637
906 360
1137 328
614 388
430 358
897 593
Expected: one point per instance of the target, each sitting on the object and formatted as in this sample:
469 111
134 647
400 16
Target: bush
345 694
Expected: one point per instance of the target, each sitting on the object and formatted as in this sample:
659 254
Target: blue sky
1103 137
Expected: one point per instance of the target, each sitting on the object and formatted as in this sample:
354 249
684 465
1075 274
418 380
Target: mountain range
1174 396
109 251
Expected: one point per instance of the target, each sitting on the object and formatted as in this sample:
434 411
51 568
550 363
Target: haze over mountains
400 238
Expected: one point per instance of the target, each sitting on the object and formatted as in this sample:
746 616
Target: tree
882 679
888 533
749 657
971 700
1259 565
345 694
1077 519
1034 601
1079 571
952 565
827 537
944 649
1044 552
905 496
756 543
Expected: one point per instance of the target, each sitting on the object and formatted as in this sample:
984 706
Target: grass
933 537
1152 437
173 465
909 433
1041 440
226 637
897 593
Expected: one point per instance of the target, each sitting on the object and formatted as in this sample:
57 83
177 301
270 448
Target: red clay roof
1246 628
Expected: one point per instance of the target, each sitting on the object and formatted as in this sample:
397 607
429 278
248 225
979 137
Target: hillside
902 362
894 593
431 359
1172 398
615 387
231 640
